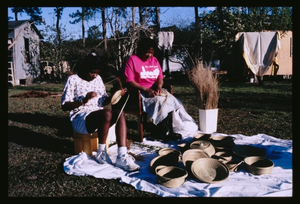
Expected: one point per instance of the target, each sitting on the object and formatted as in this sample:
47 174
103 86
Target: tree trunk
16 13
83 30
133 17
198 34
141 15
196 18
57 26
157 18
104 27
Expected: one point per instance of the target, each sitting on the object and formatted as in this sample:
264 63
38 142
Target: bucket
208 120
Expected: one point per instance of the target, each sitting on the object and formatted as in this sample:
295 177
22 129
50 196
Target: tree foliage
211 38
33 12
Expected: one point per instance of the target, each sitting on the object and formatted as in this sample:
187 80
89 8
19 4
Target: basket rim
161 151
259 158
168 169
200 141
168 181
184 159
152 165
209 149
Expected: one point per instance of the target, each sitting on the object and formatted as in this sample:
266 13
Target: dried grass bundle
206 86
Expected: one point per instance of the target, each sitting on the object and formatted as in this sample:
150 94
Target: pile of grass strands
206 86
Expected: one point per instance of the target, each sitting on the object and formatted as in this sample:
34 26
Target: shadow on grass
23 136
62 124
275 102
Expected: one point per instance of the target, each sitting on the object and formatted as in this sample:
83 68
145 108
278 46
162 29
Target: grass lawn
40 135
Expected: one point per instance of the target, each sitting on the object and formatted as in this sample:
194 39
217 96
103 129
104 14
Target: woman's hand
151 93
89 96
68 106
123 92
159 90
158 84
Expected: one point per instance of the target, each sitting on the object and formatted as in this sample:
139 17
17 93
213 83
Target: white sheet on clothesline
259 49
239 184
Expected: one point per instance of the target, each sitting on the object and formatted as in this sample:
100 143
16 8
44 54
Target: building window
27 56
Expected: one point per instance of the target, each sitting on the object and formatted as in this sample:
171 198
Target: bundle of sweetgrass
206 86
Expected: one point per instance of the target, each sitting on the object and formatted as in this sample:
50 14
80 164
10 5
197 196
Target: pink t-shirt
144 73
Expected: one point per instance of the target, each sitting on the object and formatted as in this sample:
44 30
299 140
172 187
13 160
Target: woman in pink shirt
143 72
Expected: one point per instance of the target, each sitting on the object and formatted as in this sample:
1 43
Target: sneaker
126 162
102 157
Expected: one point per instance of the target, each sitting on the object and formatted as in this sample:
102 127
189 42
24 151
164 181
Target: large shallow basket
191 155
258 165
204 146
210 170
170 176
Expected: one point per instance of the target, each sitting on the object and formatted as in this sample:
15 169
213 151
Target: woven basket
220 138
191 155
210 170
170 159
170 176
223 156
203 145
167 150
201 136
258 165
116 97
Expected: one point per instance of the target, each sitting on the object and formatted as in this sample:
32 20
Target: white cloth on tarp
158 108
183 123
239 184
259 49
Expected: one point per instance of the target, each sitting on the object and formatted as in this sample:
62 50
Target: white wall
20 66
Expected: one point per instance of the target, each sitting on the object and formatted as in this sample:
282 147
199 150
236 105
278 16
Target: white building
23 52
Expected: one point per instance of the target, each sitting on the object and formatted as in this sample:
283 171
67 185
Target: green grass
40 135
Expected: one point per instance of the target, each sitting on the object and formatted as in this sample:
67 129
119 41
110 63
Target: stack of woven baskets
209 159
